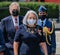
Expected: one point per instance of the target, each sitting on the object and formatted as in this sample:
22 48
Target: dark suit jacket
2 42
8 29
51 38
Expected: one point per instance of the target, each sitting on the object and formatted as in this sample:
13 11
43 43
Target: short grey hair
25 17
14 3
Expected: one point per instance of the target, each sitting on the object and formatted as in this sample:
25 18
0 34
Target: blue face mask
31 21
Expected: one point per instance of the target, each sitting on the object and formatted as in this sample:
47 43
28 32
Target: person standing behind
10 25
48 27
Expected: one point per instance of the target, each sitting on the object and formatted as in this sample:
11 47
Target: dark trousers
41 51
8 52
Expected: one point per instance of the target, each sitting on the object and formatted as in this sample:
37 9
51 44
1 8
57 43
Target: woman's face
31 19
31 16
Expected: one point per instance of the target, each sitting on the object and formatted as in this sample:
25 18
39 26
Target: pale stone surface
58 42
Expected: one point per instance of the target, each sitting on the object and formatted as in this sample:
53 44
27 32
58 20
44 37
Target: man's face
14 7
42 15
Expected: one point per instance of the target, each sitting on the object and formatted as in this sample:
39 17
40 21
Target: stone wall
58 42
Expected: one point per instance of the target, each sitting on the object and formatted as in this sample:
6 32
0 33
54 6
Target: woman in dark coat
29 36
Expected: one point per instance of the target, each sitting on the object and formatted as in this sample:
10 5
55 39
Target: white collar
14 18
14 21
42 21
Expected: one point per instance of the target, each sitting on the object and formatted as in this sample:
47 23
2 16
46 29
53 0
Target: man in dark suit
10 25
49 28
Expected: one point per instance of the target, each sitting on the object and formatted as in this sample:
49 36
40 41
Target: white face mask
31 21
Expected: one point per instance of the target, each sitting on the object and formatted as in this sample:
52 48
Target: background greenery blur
53 9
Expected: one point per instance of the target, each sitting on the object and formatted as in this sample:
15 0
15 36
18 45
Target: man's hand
1 53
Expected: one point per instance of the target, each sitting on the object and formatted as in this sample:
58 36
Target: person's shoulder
21 26
49 22
6 18
21 17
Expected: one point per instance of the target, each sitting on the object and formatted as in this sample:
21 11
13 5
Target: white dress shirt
15 24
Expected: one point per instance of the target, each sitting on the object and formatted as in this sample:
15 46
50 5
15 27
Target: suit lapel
11 24
20 20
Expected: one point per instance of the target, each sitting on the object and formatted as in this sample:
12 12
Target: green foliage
53 9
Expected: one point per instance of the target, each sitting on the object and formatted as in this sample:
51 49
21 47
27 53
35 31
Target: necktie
42 27
42 24
16 26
